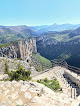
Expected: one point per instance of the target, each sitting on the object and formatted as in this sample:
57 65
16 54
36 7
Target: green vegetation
8 38
5 45
9 34
19 105
63 37
40 63
65 56
52 84
46 80
19 74
8 44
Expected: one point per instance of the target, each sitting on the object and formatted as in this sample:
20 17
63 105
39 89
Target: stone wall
72 76
22 49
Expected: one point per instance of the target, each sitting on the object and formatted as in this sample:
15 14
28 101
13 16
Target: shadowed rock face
52 49
22 49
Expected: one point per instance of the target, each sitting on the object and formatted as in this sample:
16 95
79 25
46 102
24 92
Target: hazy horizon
40 25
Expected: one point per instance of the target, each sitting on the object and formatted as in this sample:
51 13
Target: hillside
40 63
75 33
52 44
51 49
12 33
22 69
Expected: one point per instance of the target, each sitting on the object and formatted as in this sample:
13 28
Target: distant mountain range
57 41
54 27
12 33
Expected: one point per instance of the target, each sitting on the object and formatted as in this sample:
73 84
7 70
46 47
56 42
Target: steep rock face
69 51
22 49
45 41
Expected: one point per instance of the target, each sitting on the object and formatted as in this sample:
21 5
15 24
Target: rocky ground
13 64
31 93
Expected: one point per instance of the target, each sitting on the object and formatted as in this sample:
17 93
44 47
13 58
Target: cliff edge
21 49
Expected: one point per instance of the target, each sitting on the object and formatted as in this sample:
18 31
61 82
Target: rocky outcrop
8 52
13 65
22 49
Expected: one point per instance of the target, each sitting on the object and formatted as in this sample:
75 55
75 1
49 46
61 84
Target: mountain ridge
51 44
12 33
54 27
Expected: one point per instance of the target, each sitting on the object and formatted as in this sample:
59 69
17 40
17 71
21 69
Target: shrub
46 80
52 84
39 81
20 74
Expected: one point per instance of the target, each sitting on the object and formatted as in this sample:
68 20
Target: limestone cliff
22 49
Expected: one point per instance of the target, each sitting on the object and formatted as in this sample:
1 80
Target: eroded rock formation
22 49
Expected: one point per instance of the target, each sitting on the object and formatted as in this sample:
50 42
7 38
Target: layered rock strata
22 49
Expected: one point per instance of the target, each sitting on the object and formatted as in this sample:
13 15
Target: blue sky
39 12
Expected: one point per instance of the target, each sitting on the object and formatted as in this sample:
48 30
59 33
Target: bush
46 80
52 84
39 81
20 74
